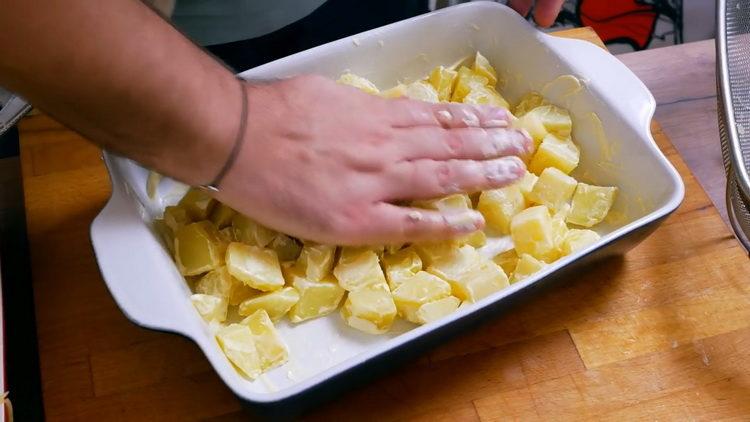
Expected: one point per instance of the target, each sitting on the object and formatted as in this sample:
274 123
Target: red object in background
629 21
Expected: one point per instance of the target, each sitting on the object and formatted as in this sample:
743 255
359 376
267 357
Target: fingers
521 6
422 179
391 223
546 11
471 143
407 113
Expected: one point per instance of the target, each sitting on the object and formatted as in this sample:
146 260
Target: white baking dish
146 285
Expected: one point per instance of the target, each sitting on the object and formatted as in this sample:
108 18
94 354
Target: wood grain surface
661 333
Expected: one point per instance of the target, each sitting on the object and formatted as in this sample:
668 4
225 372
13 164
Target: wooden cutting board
661 333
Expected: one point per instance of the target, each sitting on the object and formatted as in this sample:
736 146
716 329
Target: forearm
118 74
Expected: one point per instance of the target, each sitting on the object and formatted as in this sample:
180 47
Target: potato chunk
526 266
506 260
286 248
483 67
176 217
433 311
256 267
248 231
210 308
421 91
526 185
271 349
442 80
401 265
198 204
221 284
484 95
276 303
358 268
370 309
529 101
533 234
498 206
165 234
471 277
465 82
561 154
554 119
238 344
576 240
553 189
222 215
416 291
591 204
198 248
316 261
359 83
316 298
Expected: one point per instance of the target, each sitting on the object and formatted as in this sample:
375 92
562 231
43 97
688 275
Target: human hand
545 11
327 162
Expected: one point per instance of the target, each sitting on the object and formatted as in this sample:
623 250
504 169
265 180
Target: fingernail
464 222
504 170
444 117
470 119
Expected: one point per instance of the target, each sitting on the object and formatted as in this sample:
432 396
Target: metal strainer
733 85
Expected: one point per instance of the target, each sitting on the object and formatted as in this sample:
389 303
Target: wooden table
662 333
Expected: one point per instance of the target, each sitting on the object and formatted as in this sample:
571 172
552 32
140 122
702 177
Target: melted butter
562 87
601 138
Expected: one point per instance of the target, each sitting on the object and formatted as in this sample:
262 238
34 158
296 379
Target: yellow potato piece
576 239
210 308
438 309
532 233
286 248
238 344
316 261
484 95
176 217
401 265
395 92
276 303
270 347
222 215
256 267
526 266
591 204
483 67
421 91
248 231
442 80
562 154
526 185
432 251
316 298
554 119
370 309
416 291
358 82
507 260
559 231
465 82
471 277
533 124
358 268
198 248
498 207
165 234
554 189
198 204
529 101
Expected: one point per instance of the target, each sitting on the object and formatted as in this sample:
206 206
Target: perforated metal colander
733 85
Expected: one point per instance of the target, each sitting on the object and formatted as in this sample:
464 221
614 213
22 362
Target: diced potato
416 291
393 248
553 189
358 82
165 234
271 349
238 344
562 154
484 95
591 204
316 298
227 234
465 82
526 185
506 260
559 231
554 119
248 231
498 206
371 309
438 309
358 268
276 303
198 204
401 265
395 92
211 308
483 67
529 101
176 217
471 277
222 215
432 251
442 80
534 125
256 267
421 91
576 239
316 261
533 234
476 239
221 284
286 248
451 203
198 248
526 266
